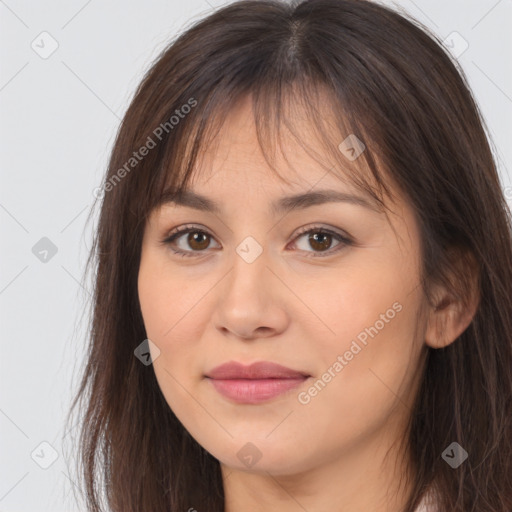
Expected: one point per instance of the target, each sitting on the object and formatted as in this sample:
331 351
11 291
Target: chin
263 457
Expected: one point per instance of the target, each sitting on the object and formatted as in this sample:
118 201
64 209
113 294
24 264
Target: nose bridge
246 282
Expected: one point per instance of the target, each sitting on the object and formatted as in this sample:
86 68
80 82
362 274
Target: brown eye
320 241
198 240
188 241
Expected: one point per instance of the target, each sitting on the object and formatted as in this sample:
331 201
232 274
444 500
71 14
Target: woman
303 276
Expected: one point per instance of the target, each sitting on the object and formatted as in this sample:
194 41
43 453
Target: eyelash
344 240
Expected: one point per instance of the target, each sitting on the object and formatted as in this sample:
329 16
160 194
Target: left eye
320 239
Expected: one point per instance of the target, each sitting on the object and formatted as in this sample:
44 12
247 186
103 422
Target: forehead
300 172
246 136
294 163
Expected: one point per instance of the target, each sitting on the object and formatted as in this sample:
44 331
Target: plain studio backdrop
68 71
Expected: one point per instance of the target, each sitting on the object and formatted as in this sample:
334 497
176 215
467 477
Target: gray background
58 119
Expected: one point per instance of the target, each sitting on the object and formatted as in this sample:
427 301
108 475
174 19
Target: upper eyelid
181 230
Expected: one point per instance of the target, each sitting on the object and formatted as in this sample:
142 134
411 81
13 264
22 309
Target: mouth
256 383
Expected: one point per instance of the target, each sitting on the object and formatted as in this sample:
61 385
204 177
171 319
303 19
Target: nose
251 301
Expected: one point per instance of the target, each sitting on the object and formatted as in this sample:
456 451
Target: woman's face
261 282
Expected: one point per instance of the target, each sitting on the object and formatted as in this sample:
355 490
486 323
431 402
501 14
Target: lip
256 383
258 370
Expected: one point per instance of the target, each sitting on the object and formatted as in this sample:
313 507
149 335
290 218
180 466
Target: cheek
169 302
174 309
366 365
169 309
368 302
370 339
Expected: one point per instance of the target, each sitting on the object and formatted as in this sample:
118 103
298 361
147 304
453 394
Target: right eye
197 240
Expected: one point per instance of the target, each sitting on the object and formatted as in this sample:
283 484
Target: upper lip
258 370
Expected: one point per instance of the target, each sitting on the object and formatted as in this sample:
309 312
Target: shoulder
428 503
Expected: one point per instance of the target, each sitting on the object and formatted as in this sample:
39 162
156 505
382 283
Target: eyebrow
282 205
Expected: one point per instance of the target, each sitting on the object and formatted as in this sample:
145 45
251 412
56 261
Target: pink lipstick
255 383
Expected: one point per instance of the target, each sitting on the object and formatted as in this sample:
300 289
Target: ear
450 316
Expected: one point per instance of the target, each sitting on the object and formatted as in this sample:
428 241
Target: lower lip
254 391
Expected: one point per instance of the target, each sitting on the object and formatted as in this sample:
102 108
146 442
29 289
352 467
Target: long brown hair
392 85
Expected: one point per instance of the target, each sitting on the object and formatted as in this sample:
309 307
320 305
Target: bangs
348 147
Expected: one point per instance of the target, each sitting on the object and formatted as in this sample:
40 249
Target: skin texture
297 310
